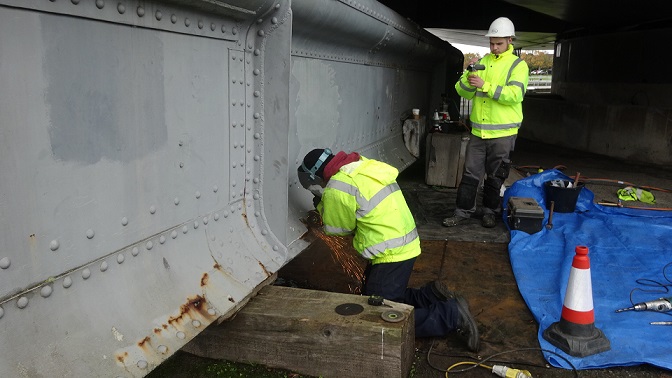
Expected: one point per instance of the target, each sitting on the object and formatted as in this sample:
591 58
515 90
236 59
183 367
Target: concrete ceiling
538 22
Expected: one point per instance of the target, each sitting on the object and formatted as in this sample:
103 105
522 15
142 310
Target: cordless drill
475 67
659 305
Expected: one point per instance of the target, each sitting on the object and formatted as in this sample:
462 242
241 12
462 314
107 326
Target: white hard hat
501 27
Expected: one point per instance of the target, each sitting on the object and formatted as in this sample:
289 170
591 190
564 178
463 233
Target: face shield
307 175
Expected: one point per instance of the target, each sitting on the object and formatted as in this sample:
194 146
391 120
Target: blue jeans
433 317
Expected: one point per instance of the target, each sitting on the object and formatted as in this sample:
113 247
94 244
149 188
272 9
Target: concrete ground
474 261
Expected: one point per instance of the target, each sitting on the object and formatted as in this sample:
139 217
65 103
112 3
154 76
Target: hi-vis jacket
363 197
497 106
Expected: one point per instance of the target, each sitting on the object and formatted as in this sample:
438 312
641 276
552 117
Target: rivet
173 18
187 22
162 239
212 312
242 162
255 180
2 312
241 103
223 28
233 183
257 52
181 335
120 258
234 124
67 282
256 115
233 209
198 194
135 251
173 234
231 230
233 195
149 245
256 72
259 21
152 209
277 6
264 232
256 157
124 221
46 291
200 24
256 196
260 33
185 229
141 12
158 14
196 323
257 135
121 8
142 364
234 31
216 217
233 102
226 213
162 349
103 266
257 214
90 233
100 4
176 201
213 26
274 20
181 165
22 302
215 188
257 93
5 263
205 220
275 247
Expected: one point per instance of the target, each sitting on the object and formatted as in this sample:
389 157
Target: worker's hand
475 81
316 200
473 60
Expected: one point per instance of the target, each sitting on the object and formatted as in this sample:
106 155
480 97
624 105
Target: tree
468 57
538 60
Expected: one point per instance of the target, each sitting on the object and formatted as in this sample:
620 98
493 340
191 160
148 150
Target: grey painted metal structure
148 154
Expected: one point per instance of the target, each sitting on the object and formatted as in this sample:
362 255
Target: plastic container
564 198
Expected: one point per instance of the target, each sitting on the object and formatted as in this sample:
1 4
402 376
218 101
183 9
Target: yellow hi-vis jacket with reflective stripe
364 198
497 107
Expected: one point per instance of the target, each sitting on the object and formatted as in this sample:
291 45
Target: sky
471 49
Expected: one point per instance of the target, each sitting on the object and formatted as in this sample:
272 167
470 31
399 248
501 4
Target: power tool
475 67
659 305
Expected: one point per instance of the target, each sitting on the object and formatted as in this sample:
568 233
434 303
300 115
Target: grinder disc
392 316
349 309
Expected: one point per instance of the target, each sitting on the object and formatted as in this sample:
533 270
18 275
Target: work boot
466 325
489 220
453 221
441 291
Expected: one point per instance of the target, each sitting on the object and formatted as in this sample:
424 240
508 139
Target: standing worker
497 91
361 197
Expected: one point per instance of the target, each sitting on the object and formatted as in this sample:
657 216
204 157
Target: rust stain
231 299
194 304
144 341
217 266
122 357
204 279
165 326
158 330
264 269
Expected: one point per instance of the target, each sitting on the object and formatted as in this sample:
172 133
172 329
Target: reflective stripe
501 126
337 230
365 206
516 83
481 94
343 187
466 88
519 85
498 92
374 250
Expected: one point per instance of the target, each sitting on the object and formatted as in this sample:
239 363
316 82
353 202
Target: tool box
525 214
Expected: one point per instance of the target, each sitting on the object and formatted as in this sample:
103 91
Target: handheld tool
661 323
659 305
549 225
475 67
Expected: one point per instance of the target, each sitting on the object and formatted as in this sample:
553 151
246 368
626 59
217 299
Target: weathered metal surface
148 152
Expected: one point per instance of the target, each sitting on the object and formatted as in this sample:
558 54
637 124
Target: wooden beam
300 330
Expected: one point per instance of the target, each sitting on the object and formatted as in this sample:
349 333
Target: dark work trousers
433 317
483 157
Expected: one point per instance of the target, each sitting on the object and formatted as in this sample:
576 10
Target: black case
525 214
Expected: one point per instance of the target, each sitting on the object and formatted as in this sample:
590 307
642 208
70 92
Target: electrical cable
491 358
659 287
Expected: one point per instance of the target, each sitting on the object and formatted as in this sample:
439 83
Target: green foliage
536 60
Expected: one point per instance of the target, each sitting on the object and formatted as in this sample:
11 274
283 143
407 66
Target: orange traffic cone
575 333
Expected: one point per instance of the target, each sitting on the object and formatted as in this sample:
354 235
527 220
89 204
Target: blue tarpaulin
627 248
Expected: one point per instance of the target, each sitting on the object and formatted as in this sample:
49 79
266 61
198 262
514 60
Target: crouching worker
361 197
